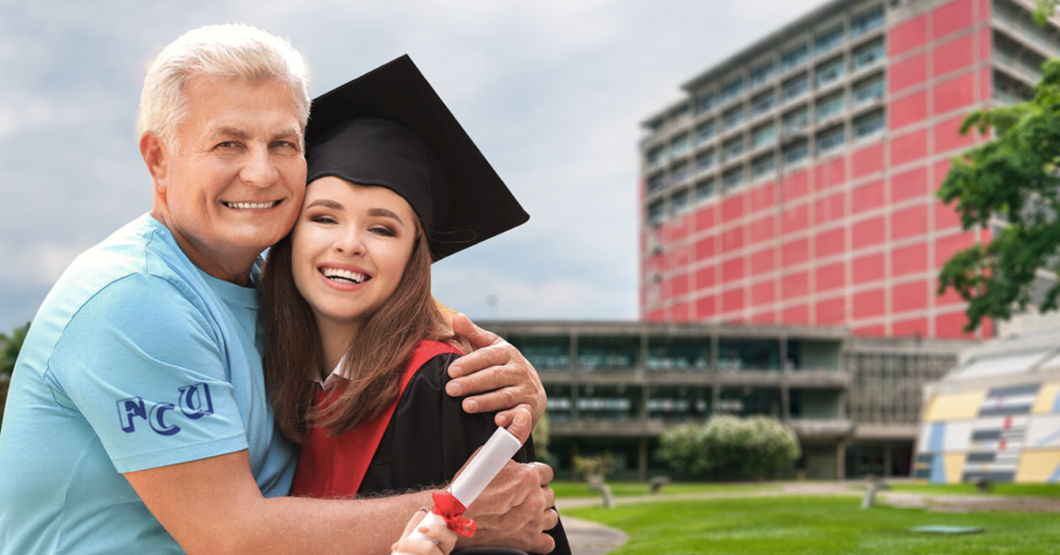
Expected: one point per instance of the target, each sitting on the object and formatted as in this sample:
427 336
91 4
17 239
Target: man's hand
495 376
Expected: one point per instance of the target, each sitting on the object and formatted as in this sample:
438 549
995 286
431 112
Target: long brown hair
375 360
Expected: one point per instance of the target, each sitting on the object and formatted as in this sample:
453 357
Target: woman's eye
322 219
384 231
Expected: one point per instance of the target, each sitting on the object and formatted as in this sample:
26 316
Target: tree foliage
597 466
753 446
12 346
1014 177
1043 9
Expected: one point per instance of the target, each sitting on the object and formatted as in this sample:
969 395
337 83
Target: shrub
753 446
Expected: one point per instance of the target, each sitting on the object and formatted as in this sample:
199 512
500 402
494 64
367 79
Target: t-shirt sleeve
144 365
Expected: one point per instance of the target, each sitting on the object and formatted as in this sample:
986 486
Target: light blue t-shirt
137 359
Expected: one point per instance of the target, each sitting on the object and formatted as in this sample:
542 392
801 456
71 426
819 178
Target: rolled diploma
478 473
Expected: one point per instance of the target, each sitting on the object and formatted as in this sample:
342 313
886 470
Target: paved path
590 538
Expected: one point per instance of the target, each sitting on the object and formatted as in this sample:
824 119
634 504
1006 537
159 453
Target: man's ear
156 157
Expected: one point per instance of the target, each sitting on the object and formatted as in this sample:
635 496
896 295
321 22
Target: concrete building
793 182
615 386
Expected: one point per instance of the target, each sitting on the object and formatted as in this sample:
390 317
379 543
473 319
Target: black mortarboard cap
389 128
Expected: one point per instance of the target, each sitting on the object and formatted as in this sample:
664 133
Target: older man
137 420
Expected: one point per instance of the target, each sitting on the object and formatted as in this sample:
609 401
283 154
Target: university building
793 183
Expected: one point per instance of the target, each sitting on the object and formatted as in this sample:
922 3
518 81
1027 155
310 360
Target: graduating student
357 347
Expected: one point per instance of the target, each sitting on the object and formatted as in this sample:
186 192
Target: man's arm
495 376
213 505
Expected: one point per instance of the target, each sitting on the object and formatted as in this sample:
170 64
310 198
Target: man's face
235 185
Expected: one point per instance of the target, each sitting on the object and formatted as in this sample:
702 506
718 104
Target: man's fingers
478 337
522 425
486 356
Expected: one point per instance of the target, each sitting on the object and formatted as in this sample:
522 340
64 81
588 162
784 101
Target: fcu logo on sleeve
195 402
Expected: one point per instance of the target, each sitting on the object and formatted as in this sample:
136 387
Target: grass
568 490
815 525
1036 490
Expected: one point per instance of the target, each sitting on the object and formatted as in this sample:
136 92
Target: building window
704 132
681 172
867 91
867 55
705 161
763 136
828 40
794 122
762 103
748 354
678 353
868 124
656 212
544 352
829 71
795 57
679 112
608 352
830 140
731 90
680 201
656 184
867 21
795 87
679 145
732 119
732 179
705 103
795 153
830 107
1008 90
656 158
731 149
704 190
763 167
762 73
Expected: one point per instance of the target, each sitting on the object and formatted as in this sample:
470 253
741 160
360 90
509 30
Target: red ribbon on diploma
452 510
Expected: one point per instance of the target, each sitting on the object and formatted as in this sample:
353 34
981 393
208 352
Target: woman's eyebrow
326 203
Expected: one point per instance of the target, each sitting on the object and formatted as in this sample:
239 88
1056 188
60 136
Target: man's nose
259 169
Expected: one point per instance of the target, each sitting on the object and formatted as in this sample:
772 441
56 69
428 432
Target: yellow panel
954 465
1037 466
1046 398
955 406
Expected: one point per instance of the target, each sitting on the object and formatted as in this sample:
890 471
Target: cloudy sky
552 90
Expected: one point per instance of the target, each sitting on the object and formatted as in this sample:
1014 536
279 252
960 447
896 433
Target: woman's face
350 248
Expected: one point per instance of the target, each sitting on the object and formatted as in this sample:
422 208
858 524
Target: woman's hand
445 537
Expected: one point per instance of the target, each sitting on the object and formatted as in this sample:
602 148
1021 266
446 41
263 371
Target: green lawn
567 490
1037 490
813 525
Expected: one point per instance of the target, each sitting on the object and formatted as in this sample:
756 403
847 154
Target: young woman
358 348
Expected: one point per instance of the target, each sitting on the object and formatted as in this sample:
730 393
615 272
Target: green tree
1014 177
753 446
1043 9
11 346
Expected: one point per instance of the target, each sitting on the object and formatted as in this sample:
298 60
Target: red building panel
795 218
948 136
950 326
907 35
985 45
868 232
657 315
831 311
910 259
680 312
830 277
868 268
732 270
872 330
763 197
907 73
679 285
909 222
732 208
867 161
763 261
732 300
909 184
795 285
908 110
795 185
909 147
955 94
762 229
830 173
913 327
732 239
829 243
705 248
796 315
949 298
954 55
946 216
705 307
705 277
868 303
795 252
947 246
952 17
985 84
830 209
867 197
908 297
767 317
705 218
763 293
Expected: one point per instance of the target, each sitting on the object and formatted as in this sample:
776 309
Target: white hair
232 51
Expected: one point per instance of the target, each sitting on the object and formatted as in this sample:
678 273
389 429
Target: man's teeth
251 205
345 275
